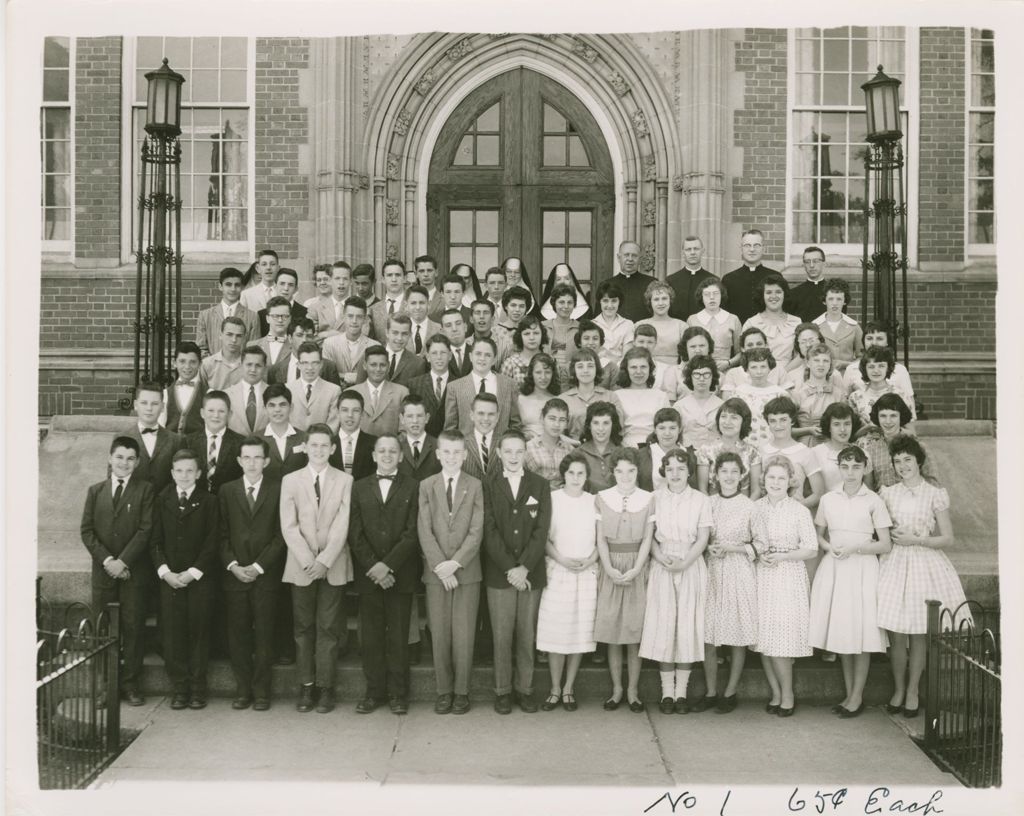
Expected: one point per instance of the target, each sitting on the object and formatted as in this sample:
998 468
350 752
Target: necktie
118 492
418 341
211 467
316 488
348 454
483 450
250 408
338 306
483 386
416 452
309 393
458 359
295 376
391 306
448 495
373 400
251 496
182 500
438 390
391 367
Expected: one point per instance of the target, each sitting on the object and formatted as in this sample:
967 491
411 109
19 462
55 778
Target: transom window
563 146
56 143
481 144
216 134
473 238
568 238
981 120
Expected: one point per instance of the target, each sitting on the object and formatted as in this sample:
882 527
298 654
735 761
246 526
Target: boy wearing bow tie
184 550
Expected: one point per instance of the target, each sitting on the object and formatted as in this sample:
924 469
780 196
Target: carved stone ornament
364 182
394 162
391 251
649 213
391 211
678 184
548 37
618 83
581 49
402 122
650 168
640 124
426 82
460 49
647 258
499 35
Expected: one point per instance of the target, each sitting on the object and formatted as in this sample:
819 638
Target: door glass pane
461 231
487 150
554 151
554 122
486 257
473 238
554 227
577 153
579 260
550 257
458 255
487 227
487 122
579 227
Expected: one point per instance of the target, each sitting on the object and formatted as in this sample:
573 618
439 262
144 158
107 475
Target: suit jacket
516 529
321 407
279 373
807 300
239 395
279 466
378 319
455 371
385 418
505 348
156 469
122 533
184 419
474 466
455 535
314 531
362 458
410 366
298 310
740 285
385 531
458 405
250 536
423 387
322 311
344 360
228 468
184 539
428 463
684 283
283 352
430 328
209 323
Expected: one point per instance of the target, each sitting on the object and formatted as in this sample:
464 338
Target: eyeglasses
702 375
279 316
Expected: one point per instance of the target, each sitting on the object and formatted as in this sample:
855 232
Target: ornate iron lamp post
158 248
885 203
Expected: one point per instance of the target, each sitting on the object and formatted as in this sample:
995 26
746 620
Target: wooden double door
522 169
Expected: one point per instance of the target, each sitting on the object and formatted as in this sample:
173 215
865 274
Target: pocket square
531 501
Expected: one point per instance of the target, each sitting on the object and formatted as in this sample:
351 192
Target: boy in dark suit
386 561
183 398
156 445
252 550
116 524
184 551
216 446
431 387
517 515
418 459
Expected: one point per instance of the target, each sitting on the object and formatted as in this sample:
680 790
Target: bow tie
149 430
382 476
190 383
820 389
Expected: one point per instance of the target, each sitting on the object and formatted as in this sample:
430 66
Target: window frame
971 249
851 252
65 247
193 251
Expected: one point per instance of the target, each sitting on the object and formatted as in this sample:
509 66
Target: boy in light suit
314 400
382 400
450 525
315 506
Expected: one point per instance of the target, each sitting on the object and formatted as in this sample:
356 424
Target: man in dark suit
355 446
252 552
807 300
742 282
116 524
482 460
184 552
404 365
183 398
418 447
452 290
286 281
684 283
432 386
454 327
157 445
632 282
393 276
216 446
387 565
275 342
285 445
517 515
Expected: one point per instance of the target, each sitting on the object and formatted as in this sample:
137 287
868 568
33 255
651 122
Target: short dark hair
756 355
667 415
152 387
838 410
495 270
512 433
185 453
232 321
527 322
688 334
852 452
401 318
320 428
906 443
489 341
585 326
838 285
623 454
188 347
254 349
696 363
229 272
255 440
876 354
554 404
438 338
516 293
485 396
451 277
749 331
772 279
707 283
413 400
482 302
780 405
209 396
800 330
308 348
275 390
375 351
571 459
729 456
580 355
735 405
561 290
270 252
284 270
392 262
364 269
529 384
644 330
819 250
599 409
891 402
684 455
430 259
608 289
357 302
634 353
876 326
304 323
126 442
416 289
351 394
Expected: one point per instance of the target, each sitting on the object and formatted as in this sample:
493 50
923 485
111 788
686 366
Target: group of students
599 488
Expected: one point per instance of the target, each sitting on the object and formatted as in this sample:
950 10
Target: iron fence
78 722
963 712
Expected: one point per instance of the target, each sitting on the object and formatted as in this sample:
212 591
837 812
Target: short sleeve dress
910 574
844 596
568 604
862 400
620 607
670 332
674 619
730 605
639 405
783 593
804 462
698 419
828 462
811 401
756 397
747 452
724 328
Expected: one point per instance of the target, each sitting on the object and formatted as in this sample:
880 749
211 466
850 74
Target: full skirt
620 607
909 576
730 608
844 606
674 620
568 606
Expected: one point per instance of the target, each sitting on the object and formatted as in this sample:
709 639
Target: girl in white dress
780 416
673 631
699 408
724 327
853 529
565 621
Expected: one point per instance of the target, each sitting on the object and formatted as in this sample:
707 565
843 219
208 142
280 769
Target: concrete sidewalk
589 747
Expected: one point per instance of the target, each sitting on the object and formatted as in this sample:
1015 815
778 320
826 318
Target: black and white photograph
479 408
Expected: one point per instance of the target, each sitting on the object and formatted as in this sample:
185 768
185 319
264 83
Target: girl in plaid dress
528 338
915 570
758 363
733 424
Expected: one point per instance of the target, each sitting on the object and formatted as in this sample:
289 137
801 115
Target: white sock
682 680
667 680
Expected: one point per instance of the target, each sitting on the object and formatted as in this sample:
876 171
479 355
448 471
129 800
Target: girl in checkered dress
915 570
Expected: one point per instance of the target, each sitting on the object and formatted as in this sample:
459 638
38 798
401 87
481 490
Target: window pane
855 235
554 122
834 89
805 160
56 52
806 55
579 260
464 155
982 127
982 162
808 89
56 157
833 127
841 31
235 191
832 231
234 157
804 194
487 227
55 85
982 195
579 228
461 226
232 86
56 124
206 52
551 256
486 257
178 51
204 86
803 228
577 153
458 255
233 52
833 160
488 120
554 227
983 56
859 56
234 124
56 224
982 228
149 53
983 90
833 195
487 150
554 151
805 127
836 55
57 191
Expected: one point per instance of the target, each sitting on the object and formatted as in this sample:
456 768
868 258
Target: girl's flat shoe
771 708
726 704
667 705
550 703
704 703
893 709
637 707
837 708
611 704
787 712
847 714
910 713
569 702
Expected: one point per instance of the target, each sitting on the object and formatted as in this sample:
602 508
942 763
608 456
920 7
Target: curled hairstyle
891 402
739 407
688 334
528 322
838 410
697 363
877 354
579 356
779 461
608 289
851 453
602 409
780 405
708 283
773 279
729 456
561 290
756 355
573 459
816 350
546 360
683 456
585 326
622 454
905 443
796 337
658 286
635 353
838 285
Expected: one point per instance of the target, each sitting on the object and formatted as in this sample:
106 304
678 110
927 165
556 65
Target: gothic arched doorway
521 168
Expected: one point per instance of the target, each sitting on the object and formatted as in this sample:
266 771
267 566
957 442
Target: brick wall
282 125
941 152
98 149
759 127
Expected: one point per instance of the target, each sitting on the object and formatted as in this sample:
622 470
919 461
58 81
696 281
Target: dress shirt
343 440
374 392
113 484
163 569
490 383
148 439
183 391
434 377
276 347
398 299
228 309
293 372
419 441
514 480
219 436
281 441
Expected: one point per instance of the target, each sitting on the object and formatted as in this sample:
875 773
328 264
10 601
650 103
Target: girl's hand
629 575
717 550
668 562
615 575
768 558
903 538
